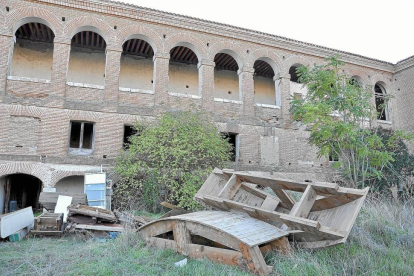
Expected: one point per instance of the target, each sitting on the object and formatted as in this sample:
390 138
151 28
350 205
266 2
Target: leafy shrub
169 160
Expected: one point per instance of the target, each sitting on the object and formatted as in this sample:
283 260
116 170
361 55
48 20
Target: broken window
33 52
232 138
128 132
380 102
81 138
183 71
264 85
137 66
226 79
294 77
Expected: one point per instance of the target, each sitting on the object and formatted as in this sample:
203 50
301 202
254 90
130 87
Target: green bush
169 160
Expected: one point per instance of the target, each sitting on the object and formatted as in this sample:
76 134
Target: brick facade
47 108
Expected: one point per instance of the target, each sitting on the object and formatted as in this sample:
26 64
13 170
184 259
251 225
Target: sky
381 29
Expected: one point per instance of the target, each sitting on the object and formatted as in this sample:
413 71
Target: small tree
173 156
342 118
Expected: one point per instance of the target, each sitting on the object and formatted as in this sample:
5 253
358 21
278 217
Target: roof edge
216 28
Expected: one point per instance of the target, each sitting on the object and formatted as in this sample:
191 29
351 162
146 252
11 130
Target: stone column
6 53
161 66
206 83
247 90
61 54
284 88
112 69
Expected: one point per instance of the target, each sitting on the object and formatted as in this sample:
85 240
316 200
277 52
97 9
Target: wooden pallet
48 224
223 237
322 217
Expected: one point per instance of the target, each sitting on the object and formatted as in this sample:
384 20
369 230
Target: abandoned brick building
76 74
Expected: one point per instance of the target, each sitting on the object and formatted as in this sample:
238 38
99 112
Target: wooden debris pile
250 222
49 200
82 217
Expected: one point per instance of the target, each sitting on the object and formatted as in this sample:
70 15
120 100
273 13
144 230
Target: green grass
381 243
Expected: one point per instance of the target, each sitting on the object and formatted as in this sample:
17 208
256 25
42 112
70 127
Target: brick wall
55 104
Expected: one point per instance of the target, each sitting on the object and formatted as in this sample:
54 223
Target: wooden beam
304 205
231 188
182 237
270 203
134 42
254 261
138 46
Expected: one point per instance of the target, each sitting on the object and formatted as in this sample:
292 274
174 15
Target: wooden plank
99 228
182 237
270 203
321 188
252 189
304 205
155 228
254 260
218 255
171 206
162 243
231 187
285 197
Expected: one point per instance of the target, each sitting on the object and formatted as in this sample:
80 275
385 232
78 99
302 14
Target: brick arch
189 41
80 23
56 177
383 80
292 60
222 46
19 17
265 55
37 170
353 71
135 31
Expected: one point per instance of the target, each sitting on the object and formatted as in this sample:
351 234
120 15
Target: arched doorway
71 184
19 191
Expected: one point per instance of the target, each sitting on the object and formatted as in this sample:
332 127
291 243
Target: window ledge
133 90
76 151
385 122
27 79
267 105
227 101
85 85
184 95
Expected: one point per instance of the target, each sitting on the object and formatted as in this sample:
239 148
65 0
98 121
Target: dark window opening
294 77
128 132
81 135
232 139
380 103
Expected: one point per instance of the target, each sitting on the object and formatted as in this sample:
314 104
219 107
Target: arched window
381 102
33 52
87 59
183 71
226 79
137 66
264 83
297 90
294 77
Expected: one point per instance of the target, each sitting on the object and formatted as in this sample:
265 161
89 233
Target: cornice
404 64
192 23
